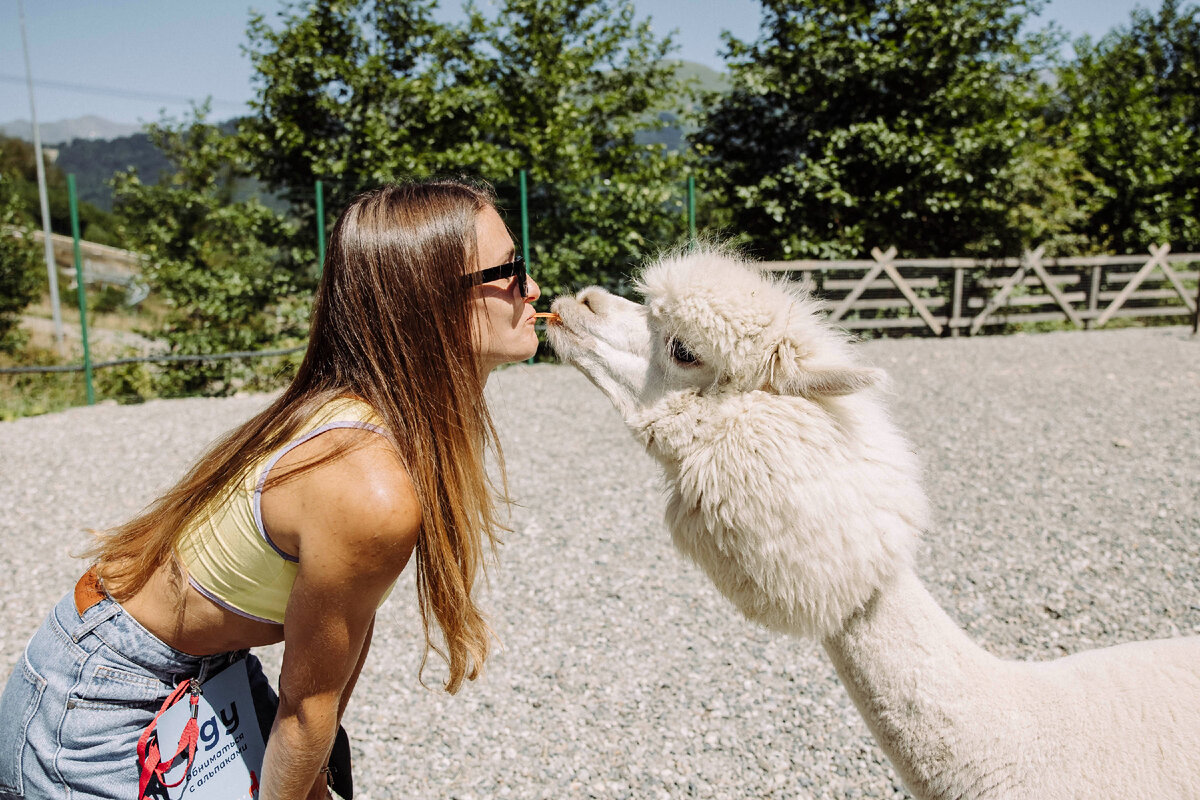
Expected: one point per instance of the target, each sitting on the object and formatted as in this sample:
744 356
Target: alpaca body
1119 722
793 491
805 523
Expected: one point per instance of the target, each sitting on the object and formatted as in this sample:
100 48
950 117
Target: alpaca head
789 485
712 325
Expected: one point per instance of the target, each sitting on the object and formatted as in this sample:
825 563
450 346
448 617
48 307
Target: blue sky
126 60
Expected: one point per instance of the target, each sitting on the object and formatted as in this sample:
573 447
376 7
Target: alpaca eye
681 354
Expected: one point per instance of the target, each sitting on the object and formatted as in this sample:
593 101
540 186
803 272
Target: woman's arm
362 659
356 521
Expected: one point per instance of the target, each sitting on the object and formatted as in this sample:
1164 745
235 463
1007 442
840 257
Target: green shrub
19 262
125 383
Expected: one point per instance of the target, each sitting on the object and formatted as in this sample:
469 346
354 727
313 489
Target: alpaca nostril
586 302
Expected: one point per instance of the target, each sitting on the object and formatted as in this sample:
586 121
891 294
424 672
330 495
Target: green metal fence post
525 218
525 225
691 209
320 226
80 292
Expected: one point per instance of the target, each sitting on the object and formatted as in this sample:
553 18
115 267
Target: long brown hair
391 324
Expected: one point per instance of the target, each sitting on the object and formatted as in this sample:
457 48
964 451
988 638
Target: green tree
1048 196
228 271
857 123
17 157
19 263
1135 111
355 93
358 92
574 87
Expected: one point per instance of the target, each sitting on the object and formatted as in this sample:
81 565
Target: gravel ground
1064 471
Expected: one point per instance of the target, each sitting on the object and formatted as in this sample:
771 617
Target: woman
295 526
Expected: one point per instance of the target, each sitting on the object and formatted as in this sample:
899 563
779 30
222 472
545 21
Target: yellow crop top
227 553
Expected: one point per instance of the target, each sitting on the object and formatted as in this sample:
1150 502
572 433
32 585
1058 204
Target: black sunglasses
514 267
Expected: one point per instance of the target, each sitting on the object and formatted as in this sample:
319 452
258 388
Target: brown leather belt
88 591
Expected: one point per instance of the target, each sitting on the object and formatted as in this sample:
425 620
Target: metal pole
525 219
691 200
320 227
80 292
43 198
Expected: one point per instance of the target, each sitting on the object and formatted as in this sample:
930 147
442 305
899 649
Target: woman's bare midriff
197 626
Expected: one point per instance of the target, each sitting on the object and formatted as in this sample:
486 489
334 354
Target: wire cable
152 360
127 93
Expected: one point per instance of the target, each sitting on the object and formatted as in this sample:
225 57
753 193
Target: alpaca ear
789 374
834 381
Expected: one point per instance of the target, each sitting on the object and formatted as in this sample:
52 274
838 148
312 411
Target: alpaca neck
917 680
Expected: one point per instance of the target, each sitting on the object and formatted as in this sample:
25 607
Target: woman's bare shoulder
369 480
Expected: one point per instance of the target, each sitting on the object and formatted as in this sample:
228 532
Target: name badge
229 751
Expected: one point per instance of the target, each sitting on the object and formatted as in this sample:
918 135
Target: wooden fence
101 263
948 296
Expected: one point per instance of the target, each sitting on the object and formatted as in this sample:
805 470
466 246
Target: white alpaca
791 488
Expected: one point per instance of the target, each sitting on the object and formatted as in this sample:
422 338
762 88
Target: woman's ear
792 372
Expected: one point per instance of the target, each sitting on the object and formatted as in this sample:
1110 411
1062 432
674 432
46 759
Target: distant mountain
674 133
706 78
91 128
95 162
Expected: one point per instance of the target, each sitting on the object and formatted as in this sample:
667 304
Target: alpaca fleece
795 494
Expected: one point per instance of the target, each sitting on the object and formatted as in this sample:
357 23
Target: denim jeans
81 695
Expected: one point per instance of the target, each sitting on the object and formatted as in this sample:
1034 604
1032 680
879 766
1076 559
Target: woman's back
229 555
240 558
